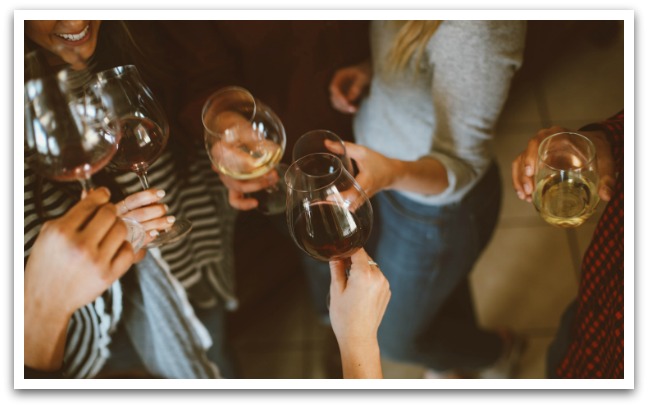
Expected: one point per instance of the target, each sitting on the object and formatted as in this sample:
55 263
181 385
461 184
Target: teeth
75 37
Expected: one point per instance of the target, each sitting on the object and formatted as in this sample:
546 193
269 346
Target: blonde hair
410 40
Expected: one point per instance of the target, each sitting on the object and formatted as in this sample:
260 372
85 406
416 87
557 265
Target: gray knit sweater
449 109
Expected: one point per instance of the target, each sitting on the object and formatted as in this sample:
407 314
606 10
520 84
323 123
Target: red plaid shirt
596 350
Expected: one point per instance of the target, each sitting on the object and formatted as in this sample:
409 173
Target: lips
75 37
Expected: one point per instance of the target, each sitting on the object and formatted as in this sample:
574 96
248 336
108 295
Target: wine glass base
135 233
180 229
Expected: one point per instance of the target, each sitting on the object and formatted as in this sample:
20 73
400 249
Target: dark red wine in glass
329 216
142 143
144 131
328 231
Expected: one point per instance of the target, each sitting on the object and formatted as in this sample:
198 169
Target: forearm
426 176
361 361
45 336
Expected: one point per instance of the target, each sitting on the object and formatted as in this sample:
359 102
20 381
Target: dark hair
116 45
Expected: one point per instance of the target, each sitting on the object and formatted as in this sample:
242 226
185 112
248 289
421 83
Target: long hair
410 42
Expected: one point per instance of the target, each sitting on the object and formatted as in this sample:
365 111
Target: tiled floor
527 275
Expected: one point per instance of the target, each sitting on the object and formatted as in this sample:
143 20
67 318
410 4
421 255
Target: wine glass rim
578 135
336 160
116 72
220 91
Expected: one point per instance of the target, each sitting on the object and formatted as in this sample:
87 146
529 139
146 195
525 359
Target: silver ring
373 263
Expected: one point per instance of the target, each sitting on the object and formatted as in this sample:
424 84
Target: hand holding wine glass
75 258
69 137
144 131
524 167
357 305
245 141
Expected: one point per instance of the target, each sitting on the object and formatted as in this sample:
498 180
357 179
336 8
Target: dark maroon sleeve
613 128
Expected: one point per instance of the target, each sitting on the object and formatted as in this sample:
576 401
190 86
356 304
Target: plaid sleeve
613 128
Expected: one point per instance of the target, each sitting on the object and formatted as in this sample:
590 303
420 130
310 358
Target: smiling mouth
75 37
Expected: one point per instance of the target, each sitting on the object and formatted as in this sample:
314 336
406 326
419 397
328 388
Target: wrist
361 359
45 328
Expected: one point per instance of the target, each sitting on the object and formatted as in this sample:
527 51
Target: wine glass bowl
566 179
67 136
143 124
318 141
329 216
244 138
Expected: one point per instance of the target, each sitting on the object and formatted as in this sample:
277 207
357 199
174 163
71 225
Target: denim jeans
427 252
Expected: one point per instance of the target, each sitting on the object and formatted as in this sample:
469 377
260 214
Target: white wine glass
144 131
566 180
245 139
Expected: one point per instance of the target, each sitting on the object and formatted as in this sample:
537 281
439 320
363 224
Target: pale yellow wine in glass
566 180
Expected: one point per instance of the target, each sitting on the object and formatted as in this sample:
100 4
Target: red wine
76 163
142 142
326 231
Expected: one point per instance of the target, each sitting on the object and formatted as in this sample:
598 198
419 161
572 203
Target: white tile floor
529 272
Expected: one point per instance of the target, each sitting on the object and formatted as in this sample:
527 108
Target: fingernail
166 208
160 193
154 233
171 219
528 171
527 188
521 195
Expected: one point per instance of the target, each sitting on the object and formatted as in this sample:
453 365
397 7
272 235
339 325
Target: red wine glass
329 216
68 137
144 131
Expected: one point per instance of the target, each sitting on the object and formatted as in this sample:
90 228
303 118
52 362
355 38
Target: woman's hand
375 171
357 306
524 166
145 208
238 189
347 85
74 259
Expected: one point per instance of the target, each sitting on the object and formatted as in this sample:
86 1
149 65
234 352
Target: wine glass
329 216
144 131
317 141
245 139
69 138
566 179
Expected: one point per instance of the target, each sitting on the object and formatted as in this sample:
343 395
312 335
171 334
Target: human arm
348 85
377 172
607 137
74 259
357 306
468 90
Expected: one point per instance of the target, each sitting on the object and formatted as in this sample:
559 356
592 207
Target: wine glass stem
143 179
86 185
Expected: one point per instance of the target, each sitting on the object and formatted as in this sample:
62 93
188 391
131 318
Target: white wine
249 160
565 201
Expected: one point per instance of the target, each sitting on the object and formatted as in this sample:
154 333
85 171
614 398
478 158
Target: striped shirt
202 261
